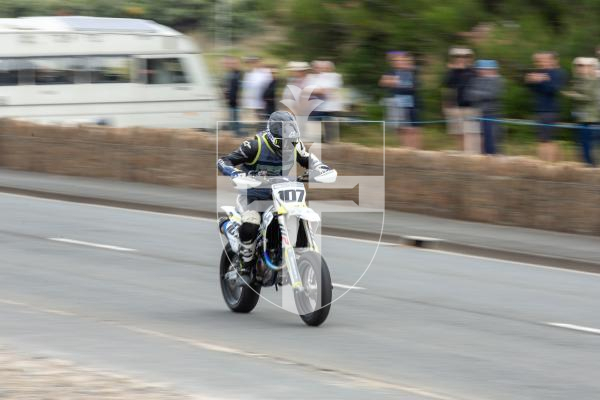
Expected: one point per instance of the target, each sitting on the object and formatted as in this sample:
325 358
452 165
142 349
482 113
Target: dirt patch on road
26 377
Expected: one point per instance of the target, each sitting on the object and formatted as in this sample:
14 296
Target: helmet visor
290 134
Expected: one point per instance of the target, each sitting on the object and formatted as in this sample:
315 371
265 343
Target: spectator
485 92
328 85
254 84
333 106
314 79
598 55
546 82
462 123
231 89
270 93
402 106
584 92
297 76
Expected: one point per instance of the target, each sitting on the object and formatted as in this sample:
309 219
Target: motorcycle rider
273 152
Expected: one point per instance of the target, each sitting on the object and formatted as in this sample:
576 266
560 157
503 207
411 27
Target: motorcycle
279 261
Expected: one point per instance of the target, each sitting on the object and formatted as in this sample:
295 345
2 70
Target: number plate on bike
289 193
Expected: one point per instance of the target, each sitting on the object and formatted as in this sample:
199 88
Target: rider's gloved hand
257 173
316 171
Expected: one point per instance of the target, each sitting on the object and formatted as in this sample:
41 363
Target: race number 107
292 195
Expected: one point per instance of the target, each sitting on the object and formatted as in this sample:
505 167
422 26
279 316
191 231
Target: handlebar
254 181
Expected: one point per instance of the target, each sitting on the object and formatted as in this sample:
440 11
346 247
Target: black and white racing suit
260 157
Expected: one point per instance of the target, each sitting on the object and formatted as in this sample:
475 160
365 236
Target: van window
110 69
9 72
45 71
164 70
79 66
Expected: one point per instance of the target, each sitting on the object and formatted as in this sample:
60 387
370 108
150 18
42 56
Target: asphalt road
137 293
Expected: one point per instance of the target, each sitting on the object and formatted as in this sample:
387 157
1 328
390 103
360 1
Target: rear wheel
314 302
239 296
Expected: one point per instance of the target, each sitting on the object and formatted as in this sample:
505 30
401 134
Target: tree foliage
357 34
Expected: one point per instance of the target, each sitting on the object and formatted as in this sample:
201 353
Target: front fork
289 256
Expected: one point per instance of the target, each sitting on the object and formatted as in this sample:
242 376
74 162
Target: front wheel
239 296
314 302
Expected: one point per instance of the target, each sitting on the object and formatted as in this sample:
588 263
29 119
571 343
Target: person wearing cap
584 92
485 93
327 87
546 81
462 123
403 105
297 75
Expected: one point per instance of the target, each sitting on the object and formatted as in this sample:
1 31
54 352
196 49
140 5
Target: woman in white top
253 86
328 85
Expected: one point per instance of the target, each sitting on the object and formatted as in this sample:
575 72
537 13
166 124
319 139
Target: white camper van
115 71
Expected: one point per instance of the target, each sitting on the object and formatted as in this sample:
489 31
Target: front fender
305 213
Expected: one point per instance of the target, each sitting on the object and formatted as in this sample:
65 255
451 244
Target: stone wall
502 190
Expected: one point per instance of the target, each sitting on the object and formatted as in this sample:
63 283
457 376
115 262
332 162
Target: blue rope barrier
528 123
446 121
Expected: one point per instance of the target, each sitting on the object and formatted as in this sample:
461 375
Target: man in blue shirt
403 105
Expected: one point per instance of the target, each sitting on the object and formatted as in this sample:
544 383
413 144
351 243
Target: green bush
357 34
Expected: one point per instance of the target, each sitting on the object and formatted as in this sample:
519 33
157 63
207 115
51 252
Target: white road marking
57 312
13 302
340 286
90 244
360 240
575 327
134 210
42 309
500 260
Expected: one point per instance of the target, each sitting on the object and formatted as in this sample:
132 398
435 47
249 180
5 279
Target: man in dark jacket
457 107
546 82
270 93
232 83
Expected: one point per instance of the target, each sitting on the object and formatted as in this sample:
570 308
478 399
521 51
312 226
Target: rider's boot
248 234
